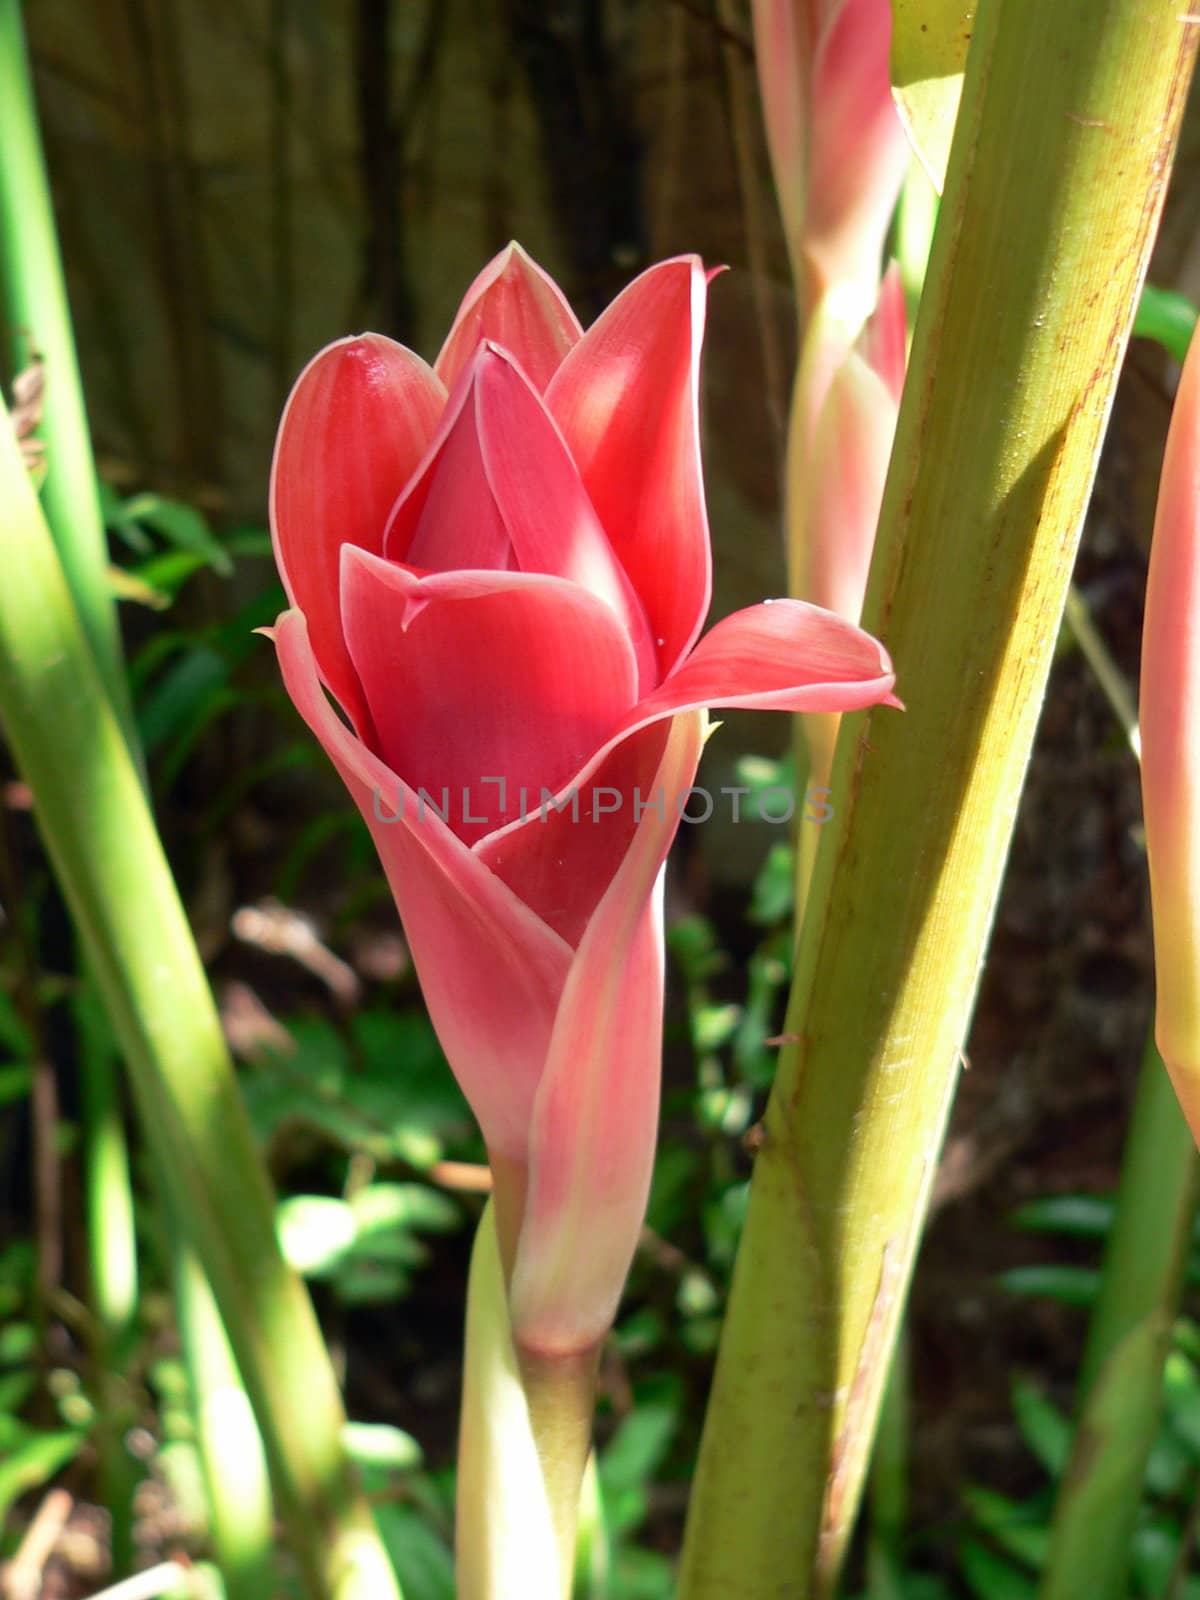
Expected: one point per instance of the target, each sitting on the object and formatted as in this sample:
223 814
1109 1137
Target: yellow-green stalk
97 827
1068 124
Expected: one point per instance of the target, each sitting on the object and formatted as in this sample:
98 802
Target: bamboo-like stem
1120 1382
34 309
96 823
1069 118
506 1539
112 1262
33 304
230 1444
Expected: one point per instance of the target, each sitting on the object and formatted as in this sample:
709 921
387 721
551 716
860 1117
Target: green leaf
693 943
1044 1428
14 1035
1019 1529
15 1389
1070 1285
117 521
18 1341
15 1083
383 1208
642 1575
422 1560
774 891
33 1462
193 683
1155 1552
315 1232
1167 318
639 1447
169 570
760 773
1181 1400
179 524
713 1026
369 1282
929 55
1075 1216
993 1577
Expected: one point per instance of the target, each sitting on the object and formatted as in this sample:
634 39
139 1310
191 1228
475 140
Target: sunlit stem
1066 132
230 1445
505 1533
559 1389
560 1392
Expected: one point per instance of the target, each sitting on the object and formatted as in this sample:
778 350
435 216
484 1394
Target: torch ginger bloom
499 566
1170 729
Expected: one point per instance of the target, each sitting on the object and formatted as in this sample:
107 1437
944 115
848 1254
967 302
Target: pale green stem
1104 669
92 812
559 1389
560 1392
230 1445
591 1551
505 1536
1120 1382
112 1256
1069 118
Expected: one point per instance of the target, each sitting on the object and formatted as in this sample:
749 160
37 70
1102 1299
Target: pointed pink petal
885 338
560 861
596 1117
480 676
355 426
627 401
519 306
541 499
1170 729
783 655
852 448
498 489
490 971
447 516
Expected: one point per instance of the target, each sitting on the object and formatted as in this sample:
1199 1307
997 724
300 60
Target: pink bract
500 568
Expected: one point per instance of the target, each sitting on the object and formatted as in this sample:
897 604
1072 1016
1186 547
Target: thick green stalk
1069 118
1121 1378
97 826
37 318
